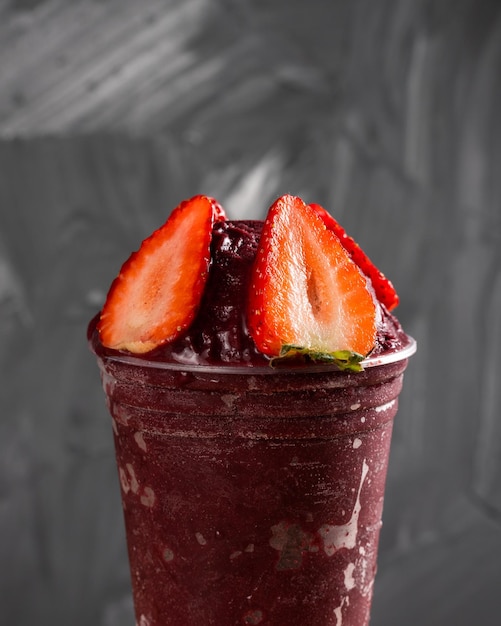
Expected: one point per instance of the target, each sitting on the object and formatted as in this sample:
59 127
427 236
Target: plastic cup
252 495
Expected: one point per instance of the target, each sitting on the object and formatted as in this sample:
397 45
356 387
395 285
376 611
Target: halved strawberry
158 290
385 291
306 294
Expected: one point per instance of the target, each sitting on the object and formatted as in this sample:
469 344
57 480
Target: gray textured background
113 111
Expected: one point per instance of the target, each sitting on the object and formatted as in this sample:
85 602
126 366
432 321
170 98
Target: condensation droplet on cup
253 617
134 484
168 555
338 612
124 481
349 580
229 399
139 439
344 536
201 539
148 497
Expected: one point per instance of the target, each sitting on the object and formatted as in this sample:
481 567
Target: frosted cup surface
252 495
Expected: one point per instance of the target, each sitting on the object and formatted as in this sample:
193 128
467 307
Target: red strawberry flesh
305 290
383 287
159 288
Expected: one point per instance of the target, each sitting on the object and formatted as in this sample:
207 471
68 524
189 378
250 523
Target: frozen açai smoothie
252 372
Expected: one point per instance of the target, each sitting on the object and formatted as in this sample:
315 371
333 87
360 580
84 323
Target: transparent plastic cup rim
386 358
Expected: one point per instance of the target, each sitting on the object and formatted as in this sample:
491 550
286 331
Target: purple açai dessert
252 484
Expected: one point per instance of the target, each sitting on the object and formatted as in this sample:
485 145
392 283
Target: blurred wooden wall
111 112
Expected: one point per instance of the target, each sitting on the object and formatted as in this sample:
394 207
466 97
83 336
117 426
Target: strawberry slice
158 290
307 296
385 291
